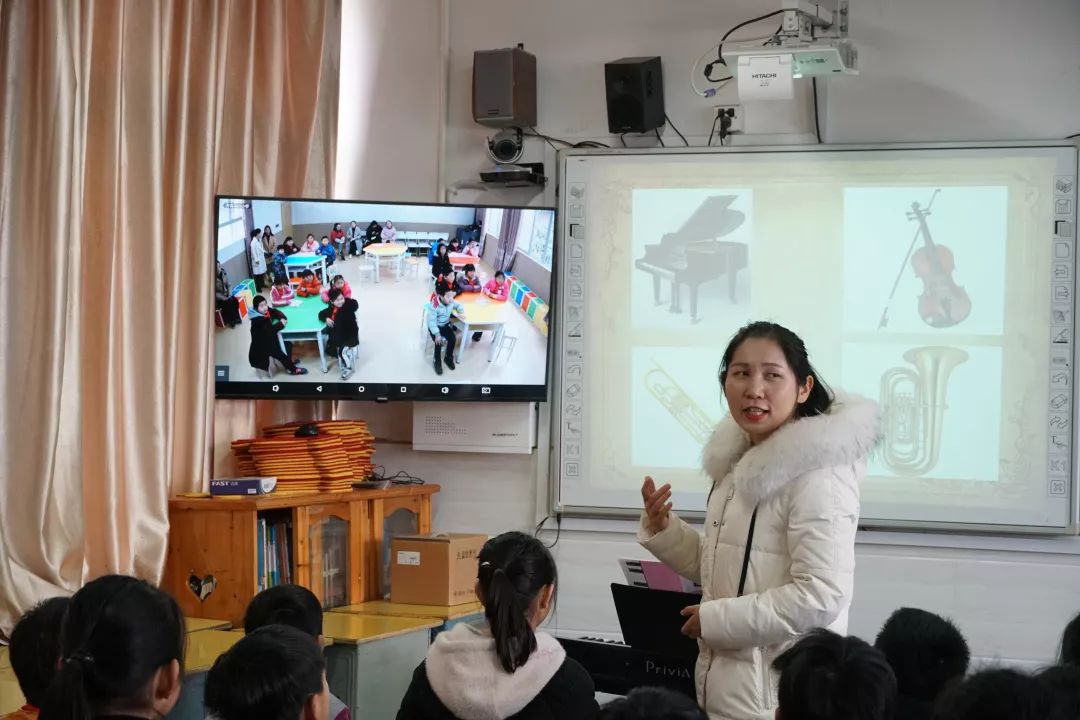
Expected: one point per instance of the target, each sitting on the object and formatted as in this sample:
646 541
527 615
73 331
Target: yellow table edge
11 697
194 624
406 625
385 607
5 657
220 642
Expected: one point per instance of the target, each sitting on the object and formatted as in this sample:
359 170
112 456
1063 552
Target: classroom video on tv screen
381 301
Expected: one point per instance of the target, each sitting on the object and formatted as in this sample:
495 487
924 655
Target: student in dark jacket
927 654
266 323
340 319
440 264
373 233
502 667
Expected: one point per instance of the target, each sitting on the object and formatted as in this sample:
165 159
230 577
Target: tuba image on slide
681 406
913 408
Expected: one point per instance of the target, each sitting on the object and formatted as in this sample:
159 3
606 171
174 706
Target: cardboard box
434 569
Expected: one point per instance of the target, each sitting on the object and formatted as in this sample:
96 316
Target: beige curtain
119 120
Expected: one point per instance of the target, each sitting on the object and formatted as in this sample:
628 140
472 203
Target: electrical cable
558 530
720 46
657 131
817 119
668 120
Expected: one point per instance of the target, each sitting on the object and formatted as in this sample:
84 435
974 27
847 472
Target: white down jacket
804 482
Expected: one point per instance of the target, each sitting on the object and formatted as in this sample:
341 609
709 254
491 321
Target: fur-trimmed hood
464 672
846 434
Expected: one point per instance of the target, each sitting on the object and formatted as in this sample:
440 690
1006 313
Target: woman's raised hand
657 505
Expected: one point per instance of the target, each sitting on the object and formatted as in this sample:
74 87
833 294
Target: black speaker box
635 95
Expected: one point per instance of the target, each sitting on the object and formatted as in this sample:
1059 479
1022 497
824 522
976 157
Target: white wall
266 212
930 73
310 213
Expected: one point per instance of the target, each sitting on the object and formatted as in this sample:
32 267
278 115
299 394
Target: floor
390 339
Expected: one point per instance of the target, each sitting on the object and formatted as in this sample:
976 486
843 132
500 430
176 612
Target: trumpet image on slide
913 405
681 406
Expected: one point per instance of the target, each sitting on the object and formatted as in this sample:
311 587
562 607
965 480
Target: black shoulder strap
746 554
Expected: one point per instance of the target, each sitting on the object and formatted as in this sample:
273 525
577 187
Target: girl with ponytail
121 653
503 667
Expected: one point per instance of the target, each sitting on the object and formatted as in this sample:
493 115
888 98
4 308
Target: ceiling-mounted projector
823 57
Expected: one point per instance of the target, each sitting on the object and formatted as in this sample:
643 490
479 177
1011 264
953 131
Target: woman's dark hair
820 399
825 676
288 239
1064 682
652 703
290 605
1070 643
256 233
997 695
118 632
337 225
925 651
35 647
514 567
269 674
469 267
267 230
440 250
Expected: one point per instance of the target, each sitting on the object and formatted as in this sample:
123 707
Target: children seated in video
341 327
440 329
266 343
357 322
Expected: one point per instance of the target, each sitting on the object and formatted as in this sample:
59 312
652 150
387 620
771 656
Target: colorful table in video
481 313
393 253
460 260
303 323
297 264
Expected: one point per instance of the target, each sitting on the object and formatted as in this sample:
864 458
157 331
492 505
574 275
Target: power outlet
734 113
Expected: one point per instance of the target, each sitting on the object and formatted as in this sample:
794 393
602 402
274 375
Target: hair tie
80 656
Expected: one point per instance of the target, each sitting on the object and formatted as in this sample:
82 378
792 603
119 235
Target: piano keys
617 668
695 254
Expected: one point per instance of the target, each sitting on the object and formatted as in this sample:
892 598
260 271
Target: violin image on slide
942 303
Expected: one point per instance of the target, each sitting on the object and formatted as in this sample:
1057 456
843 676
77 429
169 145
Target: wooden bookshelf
218 536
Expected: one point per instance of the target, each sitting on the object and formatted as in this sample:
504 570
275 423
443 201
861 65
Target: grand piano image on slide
694 254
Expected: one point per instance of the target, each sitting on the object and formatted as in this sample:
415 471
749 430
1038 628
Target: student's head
470 270
450 276
767 379
259 303
35 648
121 652
310 237
825 676
289 241
290 605
474 243
652 703
274 673
307 275
515 581
997 695
441 250
336 297
1064 683
1070 643
446 295
280 282
337 226
281 248
324 241
353 224
389 224
926 652
500 276
338 281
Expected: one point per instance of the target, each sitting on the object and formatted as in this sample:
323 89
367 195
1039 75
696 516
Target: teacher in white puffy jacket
778 554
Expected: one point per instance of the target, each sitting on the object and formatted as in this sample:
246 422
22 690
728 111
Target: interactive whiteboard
937 280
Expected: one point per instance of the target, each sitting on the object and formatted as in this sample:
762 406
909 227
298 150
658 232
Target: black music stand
651 622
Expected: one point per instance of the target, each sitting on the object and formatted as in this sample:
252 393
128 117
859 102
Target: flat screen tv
381 301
